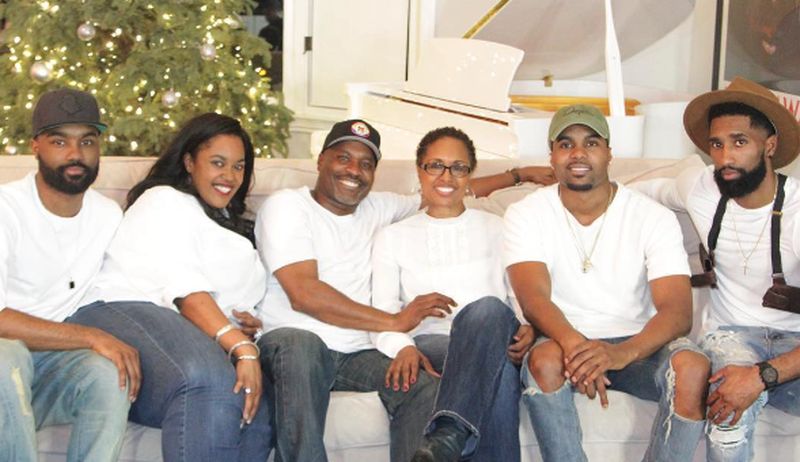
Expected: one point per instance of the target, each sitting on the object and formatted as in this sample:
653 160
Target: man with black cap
316 244
601 272
748 217
53 233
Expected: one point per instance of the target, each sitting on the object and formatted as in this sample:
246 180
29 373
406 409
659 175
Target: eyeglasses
458 170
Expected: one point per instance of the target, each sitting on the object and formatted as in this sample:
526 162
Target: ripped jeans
42 388
745 346
555 419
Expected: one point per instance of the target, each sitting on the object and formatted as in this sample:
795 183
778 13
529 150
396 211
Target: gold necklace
746 256
586 258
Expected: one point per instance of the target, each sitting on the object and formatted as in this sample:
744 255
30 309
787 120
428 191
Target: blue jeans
42 388
187 385
302 371
747 346
480 386
555 418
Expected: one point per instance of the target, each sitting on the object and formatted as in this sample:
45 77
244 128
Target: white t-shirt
458 257
737 299
42 255
167 248
641 241
292 227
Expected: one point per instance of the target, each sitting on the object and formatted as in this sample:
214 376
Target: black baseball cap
355 130
66 106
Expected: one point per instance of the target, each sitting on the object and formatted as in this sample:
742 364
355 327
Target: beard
579 187
58 179
745 184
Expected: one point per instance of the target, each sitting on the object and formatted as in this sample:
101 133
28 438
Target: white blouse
458 257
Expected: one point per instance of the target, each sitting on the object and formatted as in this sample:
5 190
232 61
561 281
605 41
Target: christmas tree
151 64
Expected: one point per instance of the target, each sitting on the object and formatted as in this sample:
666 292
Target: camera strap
775 230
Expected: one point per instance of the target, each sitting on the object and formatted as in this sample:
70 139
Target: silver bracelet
247 357
243 343
222 331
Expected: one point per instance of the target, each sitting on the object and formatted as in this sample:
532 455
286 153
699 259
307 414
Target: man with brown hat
53 233
753 331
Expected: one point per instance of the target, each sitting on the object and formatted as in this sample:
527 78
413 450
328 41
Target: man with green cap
753 329
601 272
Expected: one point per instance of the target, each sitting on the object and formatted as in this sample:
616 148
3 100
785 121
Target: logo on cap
360 129
70 105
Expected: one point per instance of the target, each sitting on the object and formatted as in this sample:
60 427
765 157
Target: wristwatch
768 374
515 175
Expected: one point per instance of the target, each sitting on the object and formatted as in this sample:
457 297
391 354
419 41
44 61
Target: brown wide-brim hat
695 118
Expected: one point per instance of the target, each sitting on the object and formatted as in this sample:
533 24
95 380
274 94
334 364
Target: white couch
357 425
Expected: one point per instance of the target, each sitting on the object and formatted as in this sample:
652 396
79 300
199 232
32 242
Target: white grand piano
470 83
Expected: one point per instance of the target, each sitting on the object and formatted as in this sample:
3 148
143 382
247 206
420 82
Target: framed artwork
760 41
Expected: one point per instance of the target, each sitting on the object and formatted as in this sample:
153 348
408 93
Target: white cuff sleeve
390 343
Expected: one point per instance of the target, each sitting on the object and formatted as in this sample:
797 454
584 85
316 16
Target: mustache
74 163
739 170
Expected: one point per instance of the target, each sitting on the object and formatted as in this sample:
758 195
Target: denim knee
207 371
16 374
15 356
484 312
293 351
101 386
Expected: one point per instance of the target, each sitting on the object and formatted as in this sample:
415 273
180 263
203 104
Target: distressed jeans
746 346
43 388
187 385
480 386
302 372
555 418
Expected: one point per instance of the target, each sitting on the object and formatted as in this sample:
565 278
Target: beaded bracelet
243 343
247 357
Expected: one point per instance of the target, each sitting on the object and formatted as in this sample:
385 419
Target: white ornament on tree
170 98
11 150
86 31
208 51
40 72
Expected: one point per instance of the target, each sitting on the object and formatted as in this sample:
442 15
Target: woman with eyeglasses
449 256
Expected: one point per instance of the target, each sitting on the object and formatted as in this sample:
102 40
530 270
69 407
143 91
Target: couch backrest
119 174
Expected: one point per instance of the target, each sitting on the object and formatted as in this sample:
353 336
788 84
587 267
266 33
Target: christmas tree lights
151 66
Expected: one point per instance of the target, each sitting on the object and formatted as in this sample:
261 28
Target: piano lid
564 41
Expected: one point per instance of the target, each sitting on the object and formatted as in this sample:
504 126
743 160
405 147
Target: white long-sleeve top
458 257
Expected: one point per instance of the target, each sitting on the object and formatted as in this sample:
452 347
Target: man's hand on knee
739 387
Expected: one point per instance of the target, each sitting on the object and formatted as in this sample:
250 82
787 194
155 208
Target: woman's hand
405 368
250 324
248 380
